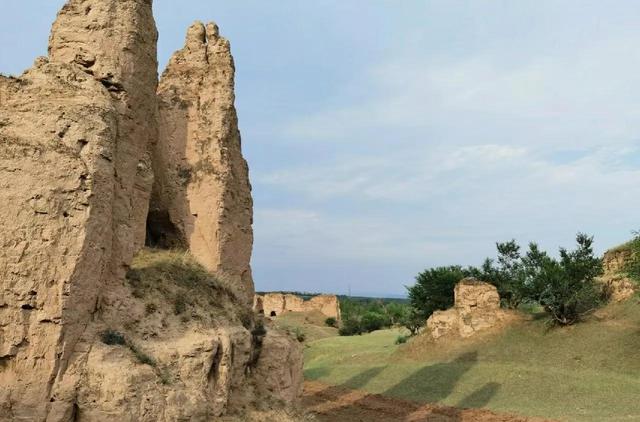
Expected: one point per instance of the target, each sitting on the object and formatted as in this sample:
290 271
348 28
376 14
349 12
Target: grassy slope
590 372
311 324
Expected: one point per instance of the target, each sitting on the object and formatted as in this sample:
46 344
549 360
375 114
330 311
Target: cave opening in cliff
273 313
161 232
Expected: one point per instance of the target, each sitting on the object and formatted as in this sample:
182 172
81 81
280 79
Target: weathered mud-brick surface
202 196
115 41
88 331
274 304
615 280
57 140
476 308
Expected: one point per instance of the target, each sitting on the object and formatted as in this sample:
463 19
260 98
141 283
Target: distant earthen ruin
97 158
476 308
275 304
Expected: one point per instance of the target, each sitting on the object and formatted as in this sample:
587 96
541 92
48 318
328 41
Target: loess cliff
93 325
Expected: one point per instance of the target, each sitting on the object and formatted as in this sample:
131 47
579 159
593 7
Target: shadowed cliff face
80 341
202 190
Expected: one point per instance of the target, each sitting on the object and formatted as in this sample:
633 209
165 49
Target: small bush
150 308
402 339
351 327
331 322
299 335
112 338
372 321
165 376
142 357
179 304
413 321
566 288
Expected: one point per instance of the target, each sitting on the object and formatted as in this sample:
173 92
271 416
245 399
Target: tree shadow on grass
416 398
481 397
434 383
363 378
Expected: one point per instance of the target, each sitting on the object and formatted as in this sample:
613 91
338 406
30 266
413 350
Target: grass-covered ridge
172 281
587 372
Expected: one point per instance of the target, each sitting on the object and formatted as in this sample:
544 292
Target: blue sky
385 137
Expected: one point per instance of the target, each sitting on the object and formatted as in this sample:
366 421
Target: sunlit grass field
588 372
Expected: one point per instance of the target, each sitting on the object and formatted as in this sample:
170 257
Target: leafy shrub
402 339
300 335
509 276
565 288
112 338
331 322
434 287
351 327
150 308
413 321
142 357
179 304
372 321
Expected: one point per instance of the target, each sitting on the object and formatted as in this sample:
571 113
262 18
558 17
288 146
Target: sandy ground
335 404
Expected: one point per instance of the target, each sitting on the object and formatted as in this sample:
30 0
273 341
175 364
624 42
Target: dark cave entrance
161 232
273 313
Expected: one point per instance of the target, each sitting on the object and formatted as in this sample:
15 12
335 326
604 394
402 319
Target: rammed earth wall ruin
81 135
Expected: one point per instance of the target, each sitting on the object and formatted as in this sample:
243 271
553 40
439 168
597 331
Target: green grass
310 324
588 372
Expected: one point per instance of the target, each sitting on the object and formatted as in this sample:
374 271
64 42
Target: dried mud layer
335 404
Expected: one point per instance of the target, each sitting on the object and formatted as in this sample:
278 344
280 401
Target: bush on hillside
396 312
565 288
331 322
402 339
362 315
350 327
413 321
434 287
372 321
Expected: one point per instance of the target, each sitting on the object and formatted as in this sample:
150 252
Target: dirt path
335 404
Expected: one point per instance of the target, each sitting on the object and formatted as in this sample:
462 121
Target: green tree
434 287
566 288
372 321
413 321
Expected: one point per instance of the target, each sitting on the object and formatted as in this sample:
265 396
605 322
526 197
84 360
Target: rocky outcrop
476 308
120 53
79 341
274 304
202 196
57 139
617 284
615 260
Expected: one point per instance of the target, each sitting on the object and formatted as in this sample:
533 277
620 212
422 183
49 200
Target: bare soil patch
336 404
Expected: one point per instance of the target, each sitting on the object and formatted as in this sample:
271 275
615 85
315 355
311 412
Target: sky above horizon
386 137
